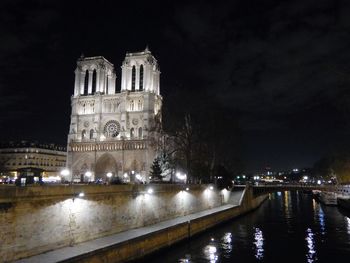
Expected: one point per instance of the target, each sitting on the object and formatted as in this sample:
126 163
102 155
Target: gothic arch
86 82
133 78
141 78
94 74
105 164
80 166
140 132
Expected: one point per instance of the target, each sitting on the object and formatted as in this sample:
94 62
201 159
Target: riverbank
138 242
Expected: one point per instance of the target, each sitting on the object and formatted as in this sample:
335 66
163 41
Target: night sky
279 69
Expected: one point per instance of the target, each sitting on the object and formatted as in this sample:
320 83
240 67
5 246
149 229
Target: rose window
111 129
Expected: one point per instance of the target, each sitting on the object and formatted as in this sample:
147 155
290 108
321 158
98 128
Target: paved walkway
66 253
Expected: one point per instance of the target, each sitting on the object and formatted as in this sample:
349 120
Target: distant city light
109 174
125 175
295 170
150 191
211 187
88 174
187 189
318 181
81 194
305 177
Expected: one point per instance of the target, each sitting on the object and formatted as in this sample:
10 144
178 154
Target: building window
91 134
132 132
141 77
133 78
139 105
140 132
132 105
94 82
83 134
86 82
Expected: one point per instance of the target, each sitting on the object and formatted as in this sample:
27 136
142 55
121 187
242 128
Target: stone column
102 80
98 73
109 87
77 82
82 81
105 84
90 82
113 86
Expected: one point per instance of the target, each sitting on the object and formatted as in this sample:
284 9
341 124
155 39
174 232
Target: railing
261 189
108 146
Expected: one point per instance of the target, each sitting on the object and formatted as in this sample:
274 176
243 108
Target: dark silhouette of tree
156 171
334 166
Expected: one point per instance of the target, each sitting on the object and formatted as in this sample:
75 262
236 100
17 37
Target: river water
288 227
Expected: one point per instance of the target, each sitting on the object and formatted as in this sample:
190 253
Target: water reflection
347 219
310 233
187 259
319 216
259 243
311 254
226 243
210 252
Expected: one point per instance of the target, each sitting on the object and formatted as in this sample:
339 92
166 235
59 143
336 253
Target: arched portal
105 164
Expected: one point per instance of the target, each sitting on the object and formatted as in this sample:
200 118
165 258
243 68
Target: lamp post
65 173
181 177
88 175
109 176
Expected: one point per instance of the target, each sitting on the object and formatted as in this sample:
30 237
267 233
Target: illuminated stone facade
112 131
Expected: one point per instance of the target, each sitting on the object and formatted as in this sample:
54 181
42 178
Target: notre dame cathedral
114 133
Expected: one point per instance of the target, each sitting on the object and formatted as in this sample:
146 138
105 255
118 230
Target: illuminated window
141 77
133 78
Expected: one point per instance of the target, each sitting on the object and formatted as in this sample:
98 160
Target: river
288 227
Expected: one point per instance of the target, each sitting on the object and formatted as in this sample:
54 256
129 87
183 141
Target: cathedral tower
114 133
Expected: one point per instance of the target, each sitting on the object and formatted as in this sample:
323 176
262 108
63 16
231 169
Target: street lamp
65 172
109 174
88 174
181 176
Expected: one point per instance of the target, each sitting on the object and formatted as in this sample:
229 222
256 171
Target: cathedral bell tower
113 134
140 72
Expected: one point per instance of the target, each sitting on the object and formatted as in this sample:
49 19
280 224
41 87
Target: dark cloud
270 65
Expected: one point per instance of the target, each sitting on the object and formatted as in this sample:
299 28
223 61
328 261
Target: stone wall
37 219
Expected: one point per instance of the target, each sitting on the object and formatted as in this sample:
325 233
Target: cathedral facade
114 133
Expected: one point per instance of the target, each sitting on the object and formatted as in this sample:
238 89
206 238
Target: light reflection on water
319 216
210 253
226 244
288 228
259 243
311 254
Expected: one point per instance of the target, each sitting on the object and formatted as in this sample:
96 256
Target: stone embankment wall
139 247
41 218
